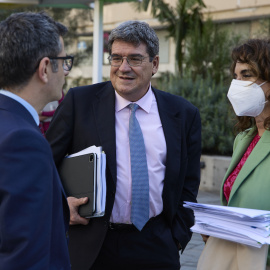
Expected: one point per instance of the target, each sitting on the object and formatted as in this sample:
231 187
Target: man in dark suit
34 213
99 115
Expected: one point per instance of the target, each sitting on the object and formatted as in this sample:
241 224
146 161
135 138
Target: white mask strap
263 83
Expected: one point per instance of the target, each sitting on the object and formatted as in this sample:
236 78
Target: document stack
83 174
241 225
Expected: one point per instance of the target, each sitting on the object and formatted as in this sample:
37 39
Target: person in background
34 213
246 183
152 141
45 116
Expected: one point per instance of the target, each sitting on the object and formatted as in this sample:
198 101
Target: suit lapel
239 151
104 110
260 151
172 132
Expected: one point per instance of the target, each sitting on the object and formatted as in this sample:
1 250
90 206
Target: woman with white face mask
247 181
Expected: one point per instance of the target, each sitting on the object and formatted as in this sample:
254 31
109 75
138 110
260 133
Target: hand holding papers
241 225
83 174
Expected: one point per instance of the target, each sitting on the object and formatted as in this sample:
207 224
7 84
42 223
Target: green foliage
264 29
211 100
208 52
179 20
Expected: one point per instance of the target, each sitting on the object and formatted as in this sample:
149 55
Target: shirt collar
23 102
145 102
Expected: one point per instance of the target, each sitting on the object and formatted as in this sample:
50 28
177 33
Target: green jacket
251 188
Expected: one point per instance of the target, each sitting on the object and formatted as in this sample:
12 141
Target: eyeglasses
133 60
68 61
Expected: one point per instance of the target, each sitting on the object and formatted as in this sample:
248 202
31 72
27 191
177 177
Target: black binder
78 175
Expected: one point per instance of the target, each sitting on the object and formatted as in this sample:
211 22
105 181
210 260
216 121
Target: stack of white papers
101 177
241 225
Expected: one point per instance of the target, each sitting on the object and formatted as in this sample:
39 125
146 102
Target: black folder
78 175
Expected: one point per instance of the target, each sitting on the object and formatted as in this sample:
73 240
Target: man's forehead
119 46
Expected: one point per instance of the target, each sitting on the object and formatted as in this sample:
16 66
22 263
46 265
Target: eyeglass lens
67 64
132 60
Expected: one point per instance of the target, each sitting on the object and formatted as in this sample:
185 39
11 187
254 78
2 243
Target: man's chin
128 84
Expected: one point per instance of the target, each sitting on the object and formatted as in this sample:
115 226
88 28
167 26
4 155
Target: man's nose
124 65
66 72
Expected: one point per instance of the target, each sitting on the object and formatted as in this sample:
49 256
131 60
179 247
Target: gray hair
136 32
26 38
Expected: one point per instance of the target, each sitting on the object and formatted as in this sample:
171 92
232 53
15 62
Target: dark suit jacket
87 117
32 223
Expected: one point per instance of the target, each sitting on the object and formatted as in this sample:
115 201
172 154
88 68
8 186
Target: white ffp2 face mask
246 97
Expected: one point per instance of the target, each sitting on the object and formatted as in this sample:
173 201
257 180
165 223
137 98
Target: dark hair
136 32
26 38
256 54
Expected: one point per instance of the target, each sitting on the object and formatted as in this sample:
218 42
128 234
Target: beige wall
228 10
234 4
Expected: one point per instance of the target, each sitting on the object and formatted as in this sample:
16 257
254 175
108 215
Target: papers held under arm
83 174
241 225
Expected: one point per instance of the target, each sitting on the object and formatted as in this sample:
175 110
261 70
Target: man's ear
43 69
155 63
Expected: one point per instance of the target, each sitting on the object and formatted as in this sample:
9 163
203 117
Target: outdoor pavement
194 248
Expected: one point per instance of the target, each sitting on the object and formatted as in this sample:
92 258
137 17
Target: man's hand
204 238
74 204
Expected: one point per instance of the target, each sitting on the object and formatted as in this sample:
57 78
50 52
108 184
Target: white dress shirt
155 145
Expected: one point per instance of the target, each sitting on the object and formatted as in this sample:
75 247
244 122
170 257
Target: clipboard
78 175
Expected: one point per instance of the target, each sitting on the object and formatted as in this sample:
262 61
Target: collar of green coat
260 151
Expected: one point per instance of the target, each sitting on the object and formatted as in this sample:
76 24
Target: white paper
92 149
226 235
241 225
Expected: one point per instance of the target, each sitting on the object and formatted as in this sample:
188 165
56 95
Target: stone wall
213 169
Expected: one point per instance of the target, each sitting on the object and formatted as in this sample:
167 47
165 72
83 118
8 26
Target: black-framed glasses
68 61
133 60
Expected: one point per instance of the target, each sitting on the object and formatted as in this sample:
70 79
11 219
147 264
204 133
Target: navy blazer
33 223
86 117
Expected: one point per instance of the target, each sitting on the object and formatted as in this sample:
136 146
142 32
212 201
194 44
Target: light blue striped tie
139 172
